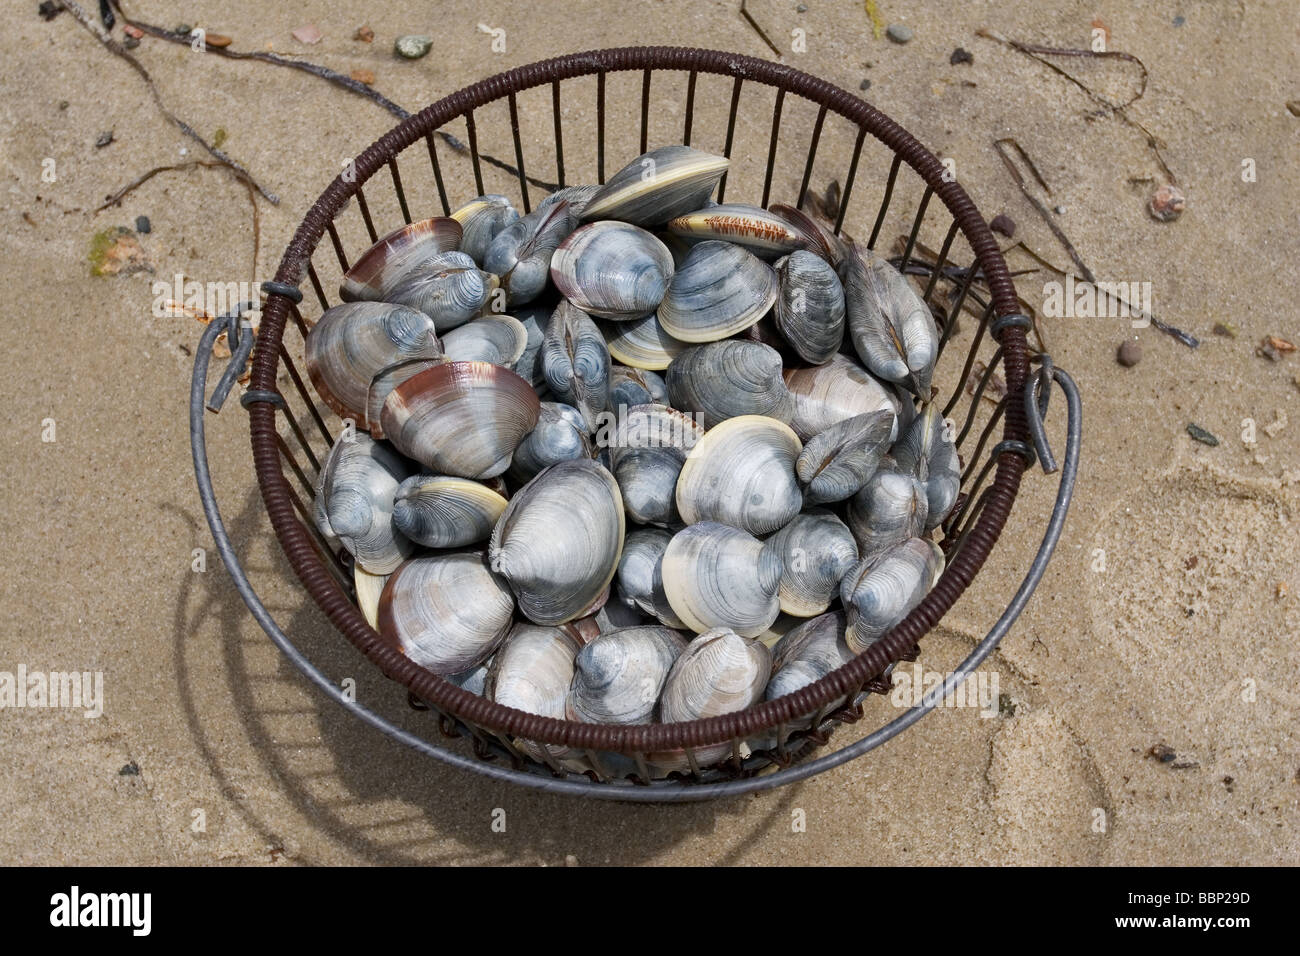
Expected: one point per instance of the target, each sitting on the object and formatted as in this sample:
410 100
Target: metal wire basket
782 127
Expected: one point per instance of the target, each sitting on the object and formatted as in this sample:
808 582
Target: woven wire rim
764 717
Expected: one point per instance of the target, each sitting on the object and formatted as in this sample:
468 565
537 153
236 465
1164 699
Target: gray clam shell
560 435
520 254
619 675
635 386
881 591
440 511
449 288
830 393
481 219
838 462
657 186
642 343
891 327
649 447
714 575
532 672
576 196
375 273
534 319
741 473
809 309
575 362
499 339
927 451
612 270
722 380
807 654
817 550
355 493
720 290
889 509
635 578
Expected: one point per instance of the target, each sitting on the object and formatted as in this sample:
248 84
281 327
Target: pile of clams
634 456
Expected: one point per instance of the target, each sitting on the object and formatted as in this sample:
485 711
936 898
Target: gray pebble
802 8
899 33
1059 210
1129 354
864 85
413 46
142 224
131 42
103 139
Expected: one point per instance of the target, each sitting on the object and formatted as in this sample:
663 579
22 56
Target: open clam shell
657 186
560 435
889 509
839 461
807 654
359 351
642 343
714 575
646 454
721 380
763 233
892 329
809 309
461 418
741 473
480 220
520 254
817 550
498 339
575 362
612 270
558 541
446 612
619 675
372 277
441 511
355 491
927 451
830 393
532 671
881 591
720 289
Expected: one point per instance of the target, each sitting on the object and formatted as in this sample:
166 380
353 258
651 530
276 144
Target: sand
1182 633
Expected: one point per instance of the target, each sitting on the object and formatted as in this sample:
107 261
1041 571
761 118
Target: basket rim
761 718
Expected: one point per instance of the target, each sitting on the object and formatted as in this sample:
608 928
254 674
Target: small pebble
364 34
1226 329
49 10
103 139
1003 225
142 225
802 8
1167 203
364 76
63 104
899 33
961 55
1201 435
1129 354
217 40
570 860
183 30
1179 21
413 46
131 42
307 33
132 31
1059 210
1162 752
1293 107
131 769
864 85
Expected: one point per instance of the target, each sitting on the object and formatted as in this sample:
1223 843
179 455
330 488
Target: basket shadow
370 796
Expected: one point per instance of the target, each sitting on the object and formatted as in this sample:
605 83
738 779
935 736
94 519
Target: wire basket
784 132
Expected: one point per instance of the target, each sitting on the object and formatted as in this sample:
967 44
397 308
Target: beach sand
1169 615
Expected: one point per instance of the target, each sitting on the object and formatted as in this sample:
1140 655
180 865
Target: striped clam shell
720 290
355 491
721 380
442 511
837 462
830 393
714 575
575 362
612 270
881 591
741 473
889 509
642 343
619 675
657 186
373 275
498 339
817 550
809 309
480 220
808 653
763 233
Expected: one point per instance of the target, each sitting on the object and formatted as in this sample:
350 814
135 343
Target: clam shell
521 252
839 461
447 612
635 386
394 256
807 654
532 672
559 539
657 186
575 362
634 579
461 418
881 591
646 455
830 393
889 509
816 550
714 575
763 233
721 380
449 288
576 196
472 680
498 339
359 351
612 270
560 435
440 511
809 309
618 676
720 290
355 491
741 473
642 344
534 319
819 235
891 327
368 587
927 451
480 220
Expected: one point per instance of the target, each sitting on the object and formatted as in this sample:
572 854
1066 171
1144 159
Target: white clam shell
720 290
714 575
642 343
498 339
657 186
829 393
354 502
532 672
741 473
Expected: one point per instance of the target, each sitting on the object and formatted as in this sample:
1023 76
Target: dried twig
1000 147
759 30
117 49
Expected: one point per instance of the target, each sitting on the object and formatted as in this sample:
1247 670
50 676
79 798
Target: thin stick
1039 206
759 30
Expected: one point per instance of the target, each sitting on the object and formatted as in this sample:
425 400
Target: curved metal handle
1036 391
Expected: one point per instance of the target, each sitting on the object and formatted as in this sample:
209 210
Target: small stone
961 55
570 860
219 137
142 225
1162 752
864 85
1167 203
899 32
103 139
131 42
184 30
132 31
1129 353
1293 107
63 104
1277 425
308 33
1003 225
802 8
1059 210
364 76
49 10
131 769
117 251
1201 435
412 46
1226 329
218 40
364 35
1179 20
